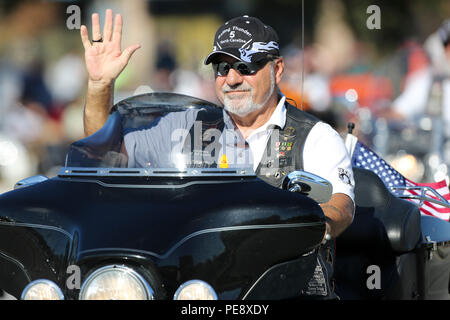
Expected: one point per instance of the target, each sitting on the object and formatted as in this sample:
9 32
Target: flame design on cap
256 47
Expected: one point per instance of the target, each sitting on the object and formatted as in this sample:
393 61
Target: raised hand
105 60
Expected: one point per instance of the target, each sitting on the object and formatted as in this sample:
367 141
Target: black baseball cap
245 38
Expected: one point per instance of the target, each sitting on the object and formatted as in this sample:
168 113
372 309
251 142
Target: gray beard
247 105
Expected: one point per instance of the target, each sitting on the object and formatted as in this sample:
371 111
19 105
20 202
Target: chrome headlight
42 289
195 290
115 282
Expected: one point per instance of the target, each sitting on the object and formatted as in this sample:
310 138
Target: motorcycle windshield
164 131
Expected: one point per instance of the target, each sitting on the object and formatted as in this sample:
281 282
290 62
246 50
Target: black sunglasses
244 68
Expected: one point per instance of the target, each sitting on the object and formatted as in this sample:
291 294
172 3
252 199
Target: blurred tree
401 20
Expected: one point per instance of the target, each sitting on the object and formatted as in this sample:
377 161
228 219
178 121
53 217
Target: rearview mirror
311 185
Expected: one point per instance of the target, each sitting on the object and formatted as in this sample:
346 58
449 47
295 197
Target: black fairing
219 231
247 239
224 227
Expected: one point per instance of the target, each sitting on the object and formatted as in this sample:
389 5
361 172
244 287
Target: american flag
365 158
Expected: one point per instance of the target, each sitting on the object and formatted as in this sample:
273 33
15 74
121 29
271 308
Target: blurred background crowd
392 81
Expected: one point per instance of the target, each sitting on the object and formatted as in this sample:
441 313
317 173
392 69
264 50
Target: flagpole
350 139
303 54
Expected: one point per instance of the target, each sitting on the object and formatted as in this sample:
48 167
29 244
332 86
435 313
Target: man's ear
279 70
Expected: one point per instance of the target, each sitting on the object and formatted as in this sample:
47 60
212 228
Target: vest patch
284 149
344 175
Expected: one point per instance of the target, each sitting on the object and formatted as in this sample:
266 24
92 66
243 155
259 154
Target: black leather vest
284 149
283 152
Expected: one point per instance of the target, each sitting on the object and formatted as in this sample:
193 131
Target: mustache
241 87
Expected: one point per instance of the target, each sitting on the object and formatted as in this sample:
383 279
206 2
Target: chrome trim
46 281
201 232
423 197
187 283
148 289
262 277
158 172
39 226
318 188
152 186
298 175
30 181
17 263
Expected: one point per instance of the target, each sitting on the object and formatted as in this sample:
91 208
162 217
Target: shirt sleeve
156 145
413 100
325 155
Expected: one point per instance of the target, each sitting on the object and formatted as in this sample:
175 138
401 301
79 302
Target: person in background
248 68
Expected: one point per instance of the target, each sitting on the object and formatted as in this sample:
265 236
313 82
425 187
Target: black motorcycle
196 225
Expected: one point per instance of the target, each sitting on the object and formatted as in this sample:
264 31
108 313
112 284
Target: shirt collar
278 118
